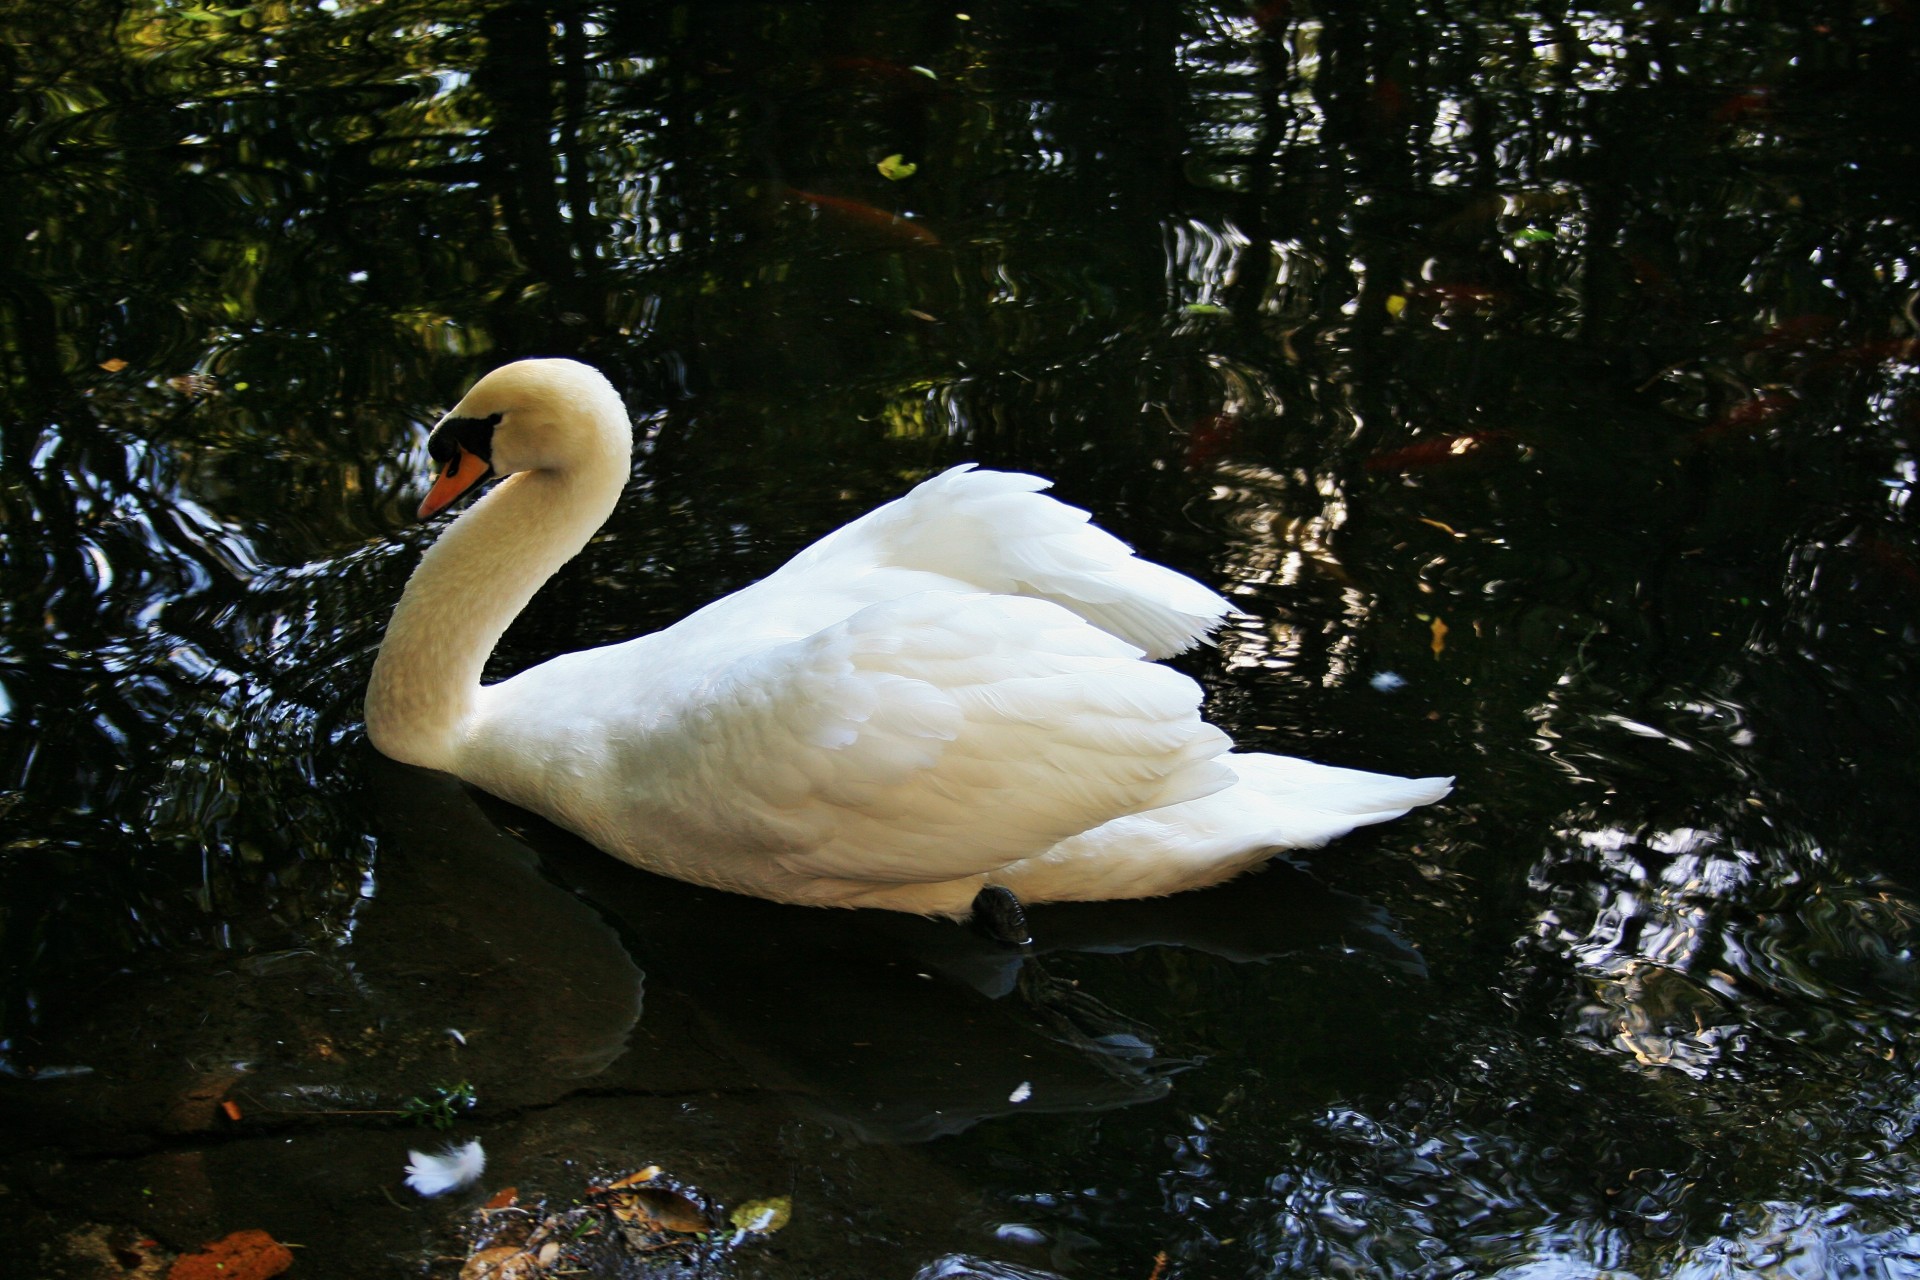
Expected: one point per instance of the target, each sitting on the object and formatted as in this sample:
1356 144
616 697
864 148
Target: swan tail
1308 804
1276 803
996 532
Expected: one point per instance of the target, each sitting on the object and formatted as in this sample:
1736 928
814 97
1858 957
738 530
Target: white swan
952 692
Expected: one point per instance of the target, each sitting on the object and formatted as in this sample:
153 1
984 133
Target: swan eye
475 435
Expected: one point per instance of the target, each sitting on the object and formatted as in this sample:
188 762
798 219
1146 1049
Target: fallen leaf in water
897 167
1893 563
1455 296
1747 102
1389 99
1745 418
231 1108
628 1226
654 1208
763 1216
195 384
1867 354
1270 15
1210 437
244 1255
661 1210
647 1174
866 215
501 1264
1439 636
114 365
501 1199
1794 332
1438 451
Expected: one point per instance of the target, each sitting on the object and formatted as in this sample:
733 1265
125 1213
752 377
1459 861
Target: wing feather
935 737
996 532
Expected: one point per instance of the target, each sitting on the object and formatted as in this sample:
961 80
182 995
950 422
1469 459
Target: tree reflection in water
1539 383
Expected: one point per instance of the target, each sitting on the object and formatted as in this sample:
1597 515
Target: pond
1540 383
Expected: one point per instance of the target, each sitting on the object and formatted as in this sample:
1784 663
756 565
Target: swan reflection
892 1027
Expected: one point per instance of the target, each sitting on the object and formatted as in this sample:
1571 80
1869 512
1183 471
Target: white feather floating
452 1169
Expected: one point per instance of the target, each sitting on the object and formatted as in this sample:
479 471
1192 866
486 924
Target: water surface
1539 383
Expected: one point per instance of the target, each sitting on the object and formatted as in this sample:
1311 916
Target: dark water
1586 334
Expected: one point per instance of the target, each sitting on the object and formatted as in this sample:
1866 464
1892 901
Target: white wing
926 739
996 532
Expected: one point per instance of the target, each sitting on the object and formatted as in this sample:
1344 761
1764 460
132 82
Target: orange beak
464 472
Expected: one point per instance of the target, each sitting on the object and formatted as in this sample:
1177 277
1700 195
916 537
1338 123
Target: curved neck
468 587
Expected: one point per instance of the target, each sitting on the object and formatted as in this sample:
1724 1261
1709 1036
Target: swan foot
998 913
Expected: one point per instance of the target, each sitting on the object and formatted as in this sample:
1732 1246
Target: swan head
531 415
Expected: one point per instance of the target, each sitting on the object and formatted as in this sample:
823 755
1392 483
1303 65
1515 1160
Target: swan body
952 692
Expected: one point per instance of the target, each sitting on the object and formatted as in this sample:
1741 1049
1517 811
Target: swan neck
469 586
